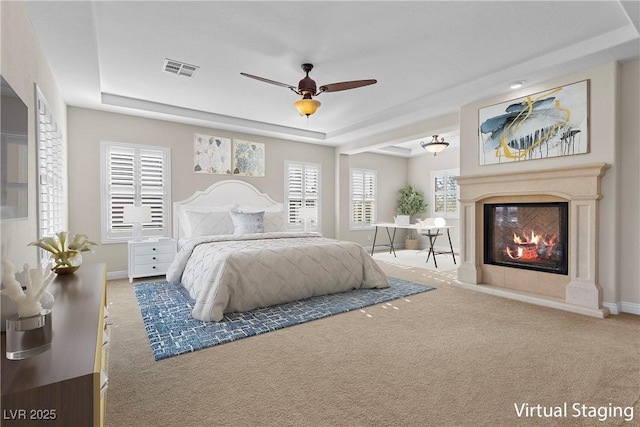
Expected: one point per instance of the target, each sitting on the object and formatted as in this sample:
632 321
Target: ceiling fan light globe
306 107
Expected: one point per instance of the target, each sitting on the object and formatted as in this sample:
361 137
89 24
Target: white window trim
360 227
444 173
106 234
294 227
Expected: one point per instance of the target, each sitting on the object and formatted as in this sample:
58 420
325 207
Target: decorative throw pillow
185 222
244 223
275 221
209 223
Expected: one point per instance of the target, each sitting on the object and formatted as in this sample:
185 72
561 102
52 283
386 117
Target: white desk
432 238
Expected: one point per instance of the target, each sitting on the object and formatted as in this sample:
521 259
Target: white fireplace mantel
580 186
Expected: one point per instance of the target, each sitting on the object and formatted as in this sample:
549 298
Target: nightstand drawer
158 268
154 259
157 248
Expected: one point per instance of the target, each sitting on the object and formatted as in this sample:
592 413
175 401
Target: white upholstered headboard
230 192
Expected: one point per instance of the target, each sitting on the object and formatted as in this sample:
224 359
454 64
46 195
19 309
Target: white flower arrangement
64 248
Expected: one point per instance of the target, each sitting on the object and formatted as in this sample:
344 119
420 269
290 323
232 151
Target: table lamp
308 215
137 215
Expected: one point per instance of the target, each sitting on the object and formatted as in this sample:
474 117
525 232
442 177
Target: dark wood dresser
65 385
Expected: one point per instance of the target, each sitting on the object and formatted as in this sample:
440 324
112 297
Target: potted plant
65 250
410 202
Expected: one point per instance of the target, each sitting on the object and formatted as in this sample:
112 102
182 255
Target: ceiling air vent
179 68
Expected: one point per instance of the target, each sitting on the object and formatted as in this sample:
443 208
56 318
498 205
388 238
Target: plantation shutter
363 198
122 185
357 197
445 193
51 198
152 188
294 200
136 175
369 197
302 191
51 167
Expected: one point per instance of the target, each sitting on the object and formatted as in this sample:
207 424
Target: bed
237 254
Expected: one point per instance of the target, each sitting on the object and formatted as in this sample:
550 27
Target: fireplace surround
579 187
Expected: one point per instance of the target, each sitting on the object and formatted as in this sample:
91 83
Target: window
363 198
134 175
444 194
302 190
51 167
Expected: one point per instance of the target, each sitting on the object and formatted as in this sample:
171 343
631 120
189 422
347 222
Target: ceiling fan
308 89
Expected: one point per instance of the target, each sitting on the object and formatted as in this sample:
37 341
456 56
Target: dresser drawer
151 269
154 259
157 248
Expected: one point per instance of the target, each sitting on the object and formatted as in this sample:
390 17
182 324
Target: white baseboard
622 307
115 275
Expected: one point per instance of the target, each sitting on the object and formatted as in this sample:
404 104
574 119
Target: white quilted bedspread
225 274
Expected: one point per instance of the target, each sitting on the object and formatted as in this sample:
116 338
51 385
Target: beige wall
605 146
88 127
391 174
24 64
420 169
629 185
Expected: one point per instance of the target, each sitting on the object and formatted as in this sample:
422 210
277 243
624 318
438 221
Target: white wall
604 147
24 64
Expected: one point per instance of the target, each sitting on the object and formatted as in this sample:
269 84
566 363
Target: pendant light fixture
435 146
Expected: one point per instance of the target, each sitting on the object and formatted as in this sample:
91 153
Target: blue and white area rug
166 311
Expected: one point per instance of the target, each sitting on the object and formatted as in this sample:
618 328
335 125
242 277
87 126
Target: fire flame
534 247
535 238
512 256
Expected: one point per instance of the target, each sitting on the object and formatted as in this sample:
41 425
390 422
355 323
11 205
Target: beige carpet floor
449 357
409 258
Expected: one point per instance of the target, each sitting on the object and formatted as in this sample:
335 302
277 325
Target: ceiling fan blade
335 87
273 82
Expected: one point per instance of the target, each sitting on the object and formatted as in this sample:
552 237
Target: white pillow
185 225
244 223
209 223
275 221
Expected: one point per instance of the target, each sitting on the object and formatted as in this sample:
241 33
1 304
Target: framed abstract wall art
548 124
248 158
212 154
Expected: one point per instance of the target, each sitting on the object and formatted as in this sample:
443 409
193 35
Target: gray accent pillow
244 223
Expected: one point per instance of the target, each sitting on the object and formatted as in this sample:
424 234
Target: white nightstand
150 257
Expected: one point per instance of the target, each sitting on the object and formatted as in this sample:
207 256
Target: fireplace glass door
531 236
